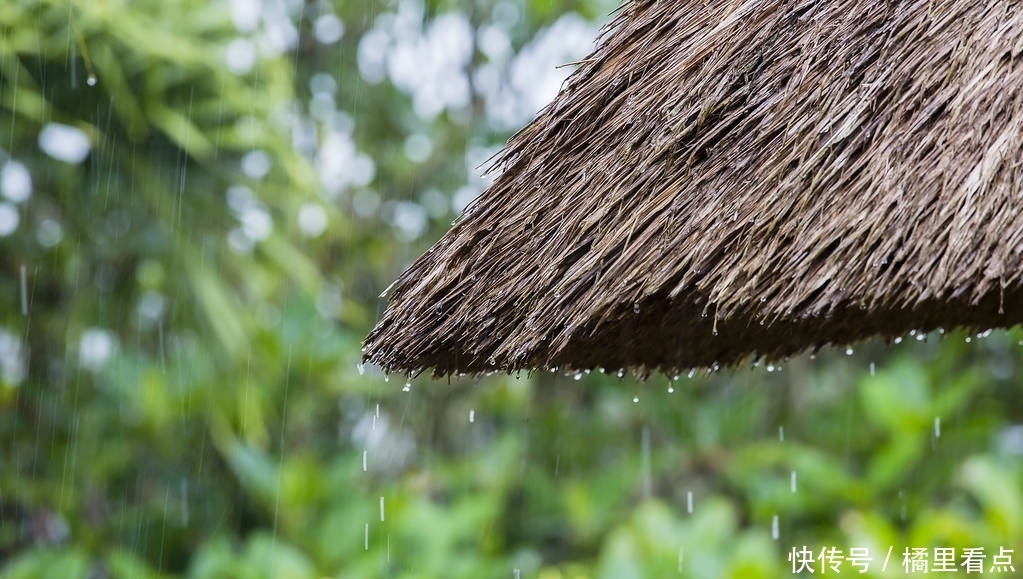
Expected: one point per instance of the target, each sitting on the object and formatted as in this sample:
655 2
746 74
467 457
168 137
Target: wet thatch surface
727 179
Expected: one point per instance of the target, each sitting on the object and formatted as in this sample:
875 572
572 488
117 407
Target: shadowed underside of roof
739 179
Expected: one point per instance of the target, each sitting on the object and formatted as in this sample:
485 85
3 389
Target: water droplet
635 399
472 416
968 339
781 433
91 81
937 427
671 389
407 387
692 372
848 351
361 368
365 461
871 368
577 376
635 307
898 340
770 367
621 372
365 540
381 509
792 481
689 502
774 527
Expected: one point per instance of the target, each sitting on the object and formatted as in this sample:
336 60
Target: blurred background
200 204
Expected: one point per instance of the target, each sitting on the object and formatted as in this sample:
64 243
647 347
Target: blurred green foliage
179 394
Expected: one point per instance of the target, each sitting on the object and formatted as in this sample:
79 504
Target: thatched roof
722 180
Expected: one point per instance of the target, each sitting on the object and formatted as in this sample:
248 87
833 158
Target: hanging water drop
407 387
635 399
848 351
361 368
91 81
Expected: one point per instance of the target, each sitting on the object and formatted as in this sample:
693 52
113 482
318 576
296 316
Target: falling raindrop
365 461
781 434
381 509
361 368
774 527
518 574
24 290
689 502
472 416
645 451
871 368
365 539
792 481
937 427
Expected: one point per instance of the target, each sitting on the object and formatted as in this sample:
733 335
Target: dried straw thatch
727 179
